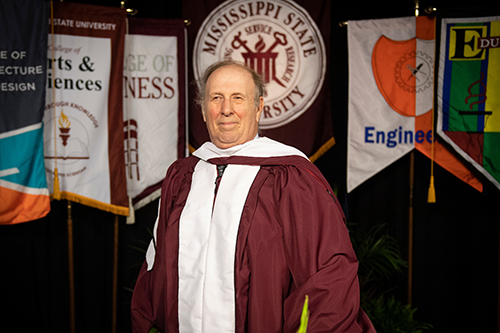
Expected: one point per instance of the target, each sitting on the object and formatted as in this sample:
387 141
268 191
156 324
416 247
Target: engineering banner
391 80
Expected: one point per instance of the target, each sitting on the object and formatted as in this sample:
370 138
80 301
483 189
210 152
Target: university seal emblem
276 38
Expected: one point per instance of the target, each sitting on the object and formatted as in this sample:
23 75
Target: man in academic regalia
247 228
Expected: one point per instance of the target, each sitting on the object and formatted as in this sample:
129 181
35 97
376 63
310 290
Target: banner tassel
131 212
57 189
431 197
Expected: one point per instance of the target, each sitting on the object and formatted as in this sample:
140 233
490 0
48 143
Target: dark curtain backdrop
455 280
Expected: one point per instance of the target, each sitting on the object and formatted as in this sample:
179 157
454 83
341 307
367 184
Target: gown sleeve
153 299
319 255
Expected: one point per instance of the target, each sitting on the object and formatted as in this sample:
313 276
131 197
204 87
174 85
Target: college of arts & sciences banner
154 102
83 122
288 43
469 91
391 74
23 56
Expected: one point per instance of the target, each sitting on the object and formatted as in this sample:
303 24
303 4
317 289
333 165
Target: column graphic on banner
391 72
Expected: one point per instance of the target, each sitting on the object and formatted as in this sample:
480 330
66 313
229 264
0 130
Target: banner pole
115 274
71 270
410 228
410 206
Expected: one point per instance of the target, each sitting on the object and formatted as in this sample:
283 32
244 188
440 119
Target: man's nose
227 107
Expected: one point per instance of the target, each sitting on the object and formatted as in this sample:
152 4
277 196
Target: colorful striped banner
469 91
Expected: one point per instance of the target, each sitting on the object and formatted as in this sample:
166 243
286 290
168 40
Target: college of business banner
83 122
391 74
469 91
288 43
23 43
154 104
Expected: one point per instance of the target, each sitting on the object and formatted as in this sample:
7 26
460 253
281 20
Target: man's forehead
230 69
229 73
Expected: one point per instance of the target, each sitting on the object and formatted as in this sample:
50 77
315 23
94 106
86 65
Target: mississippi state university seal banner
23 55
287 43
154 102
469 91
391 75
83 121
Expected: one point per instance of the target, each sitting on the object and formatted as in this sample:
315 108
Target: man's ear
203 114
260 107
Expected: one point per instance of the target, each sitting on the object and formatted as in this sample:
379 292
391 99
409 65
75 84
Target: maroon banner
285 41
154 103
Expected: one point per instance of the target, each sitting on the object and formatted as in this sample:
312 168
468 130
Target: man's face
230 112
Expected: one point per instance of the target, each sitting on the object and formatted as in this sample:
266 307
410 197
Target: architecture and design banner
23 43
391 80
469 91
285 41
154 102
83 122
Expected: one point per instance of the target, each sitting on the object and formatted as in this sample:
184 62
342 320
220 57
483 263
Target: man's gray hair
260 85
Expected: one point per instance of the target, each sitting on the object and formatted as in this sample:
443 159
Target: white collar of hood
258 147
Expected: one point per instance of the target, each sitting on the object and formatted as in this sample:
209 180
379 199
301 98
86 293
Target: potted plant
379 260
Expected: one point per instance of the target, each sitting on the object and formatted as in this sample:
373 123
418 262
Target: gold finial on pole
430 10
130 11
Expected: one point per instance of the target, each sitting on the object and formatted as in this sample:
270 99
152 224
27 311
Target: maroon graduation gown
292 242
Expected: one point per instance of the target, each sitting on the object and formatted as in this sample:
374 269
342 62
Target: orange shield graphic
402 71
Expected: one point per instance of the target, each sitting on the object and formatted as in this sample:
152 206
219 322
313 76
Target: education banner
83 122
469 91
391 79
154 104
285 41
23 43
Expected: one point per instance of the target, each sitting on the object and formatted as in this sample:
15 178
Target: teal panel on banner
23 59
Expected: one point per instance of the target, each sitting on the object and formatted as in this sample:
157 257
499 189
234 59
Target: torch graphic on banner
64 128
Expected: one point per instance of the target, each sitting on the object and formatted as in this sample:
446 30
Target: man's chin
228 142
225 145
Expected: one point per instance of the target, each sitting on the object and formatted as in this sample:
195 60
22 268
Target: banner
154 102
469 91
23 43
285 41
391 74
83 121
